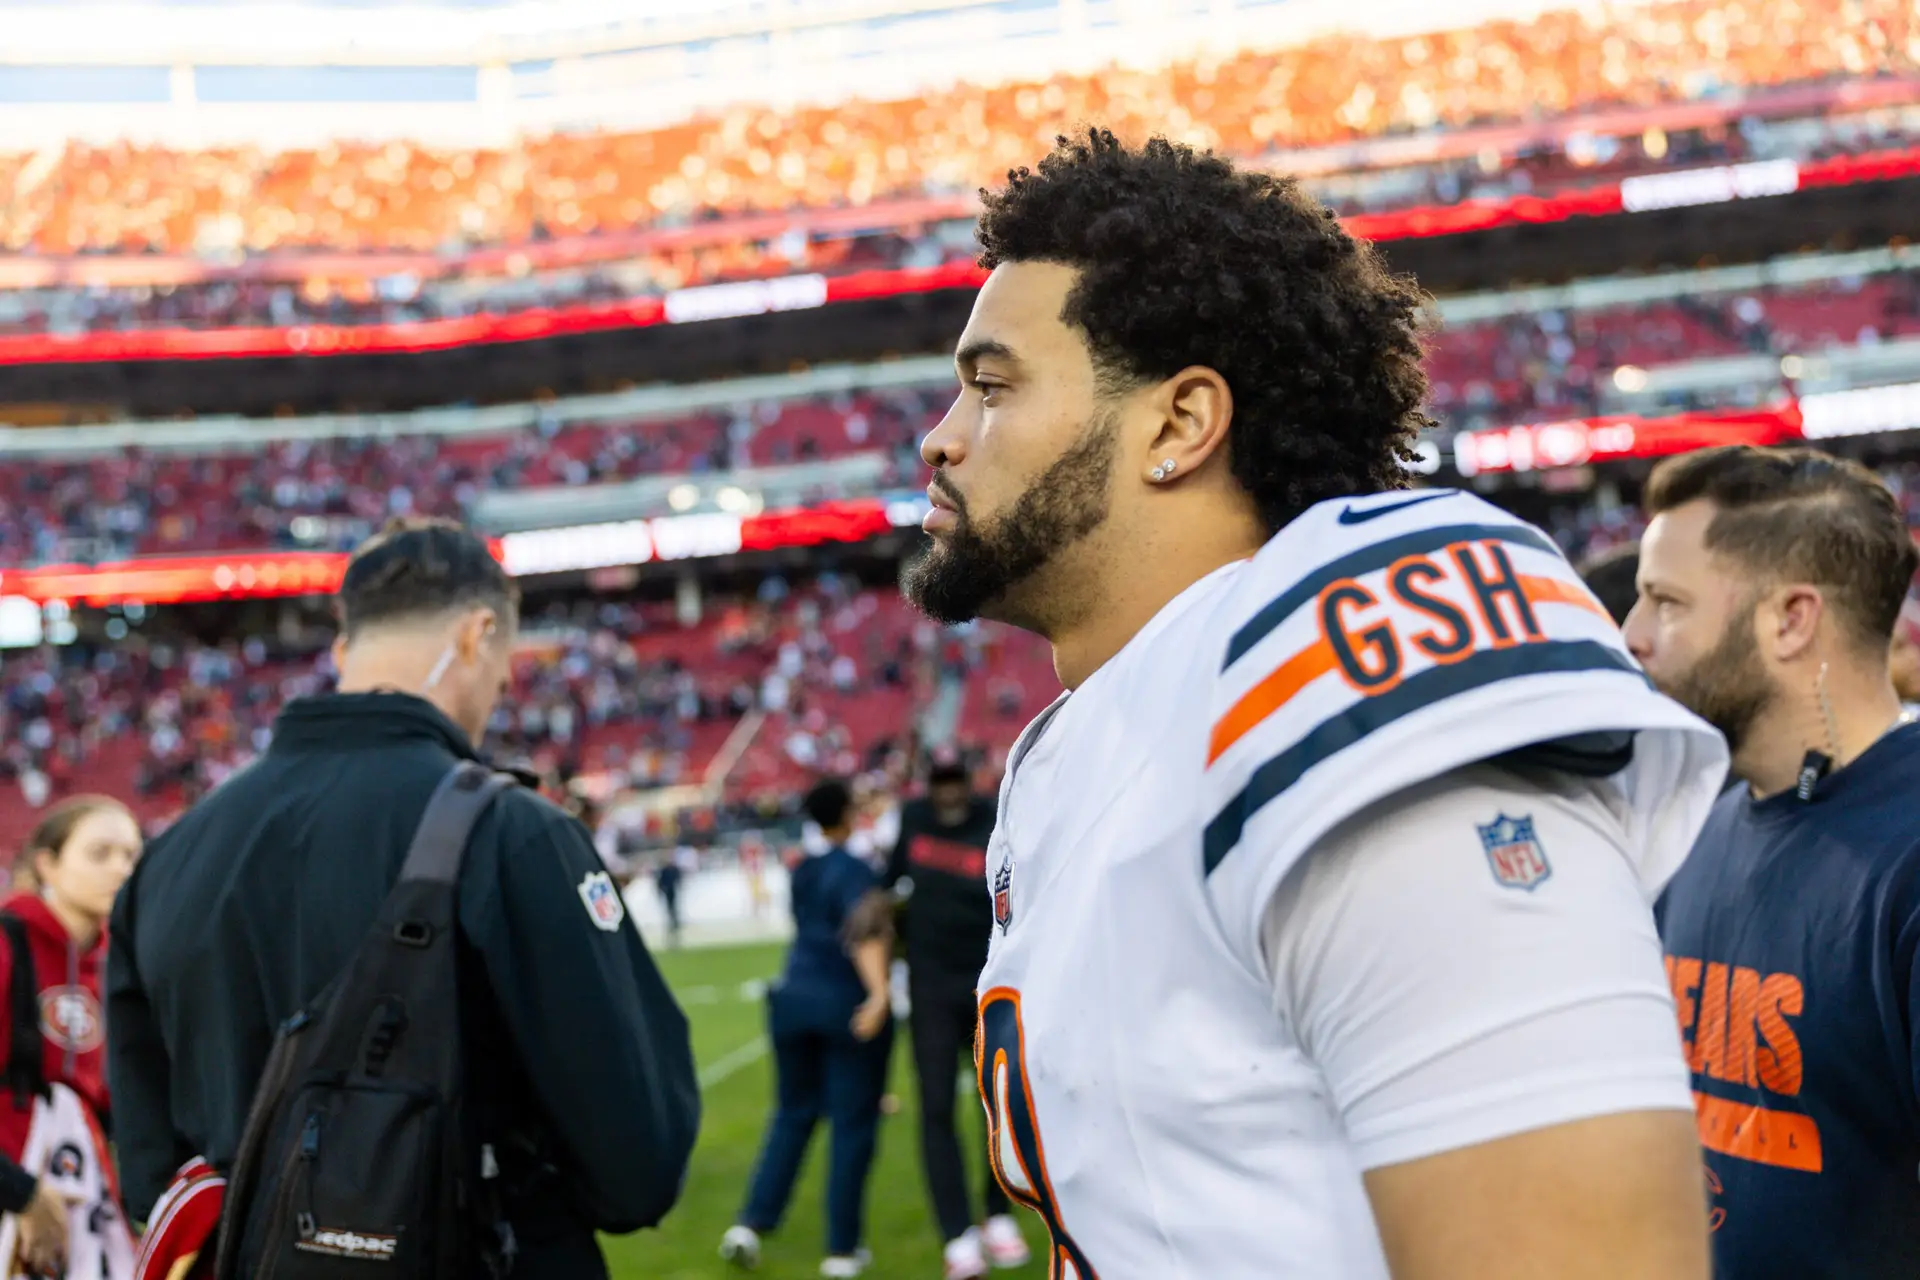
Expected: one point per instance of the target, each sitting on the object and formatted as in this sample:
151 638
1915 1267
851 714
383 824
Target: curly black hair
1186 260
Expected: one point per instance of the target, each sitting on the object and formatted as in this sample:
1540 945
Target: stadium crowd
1555 362
332 492
1587 156
728 252
620 693
1335 89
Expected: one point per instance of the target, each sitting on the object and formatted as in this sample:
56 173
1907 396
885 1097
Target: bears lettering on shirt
1736 1025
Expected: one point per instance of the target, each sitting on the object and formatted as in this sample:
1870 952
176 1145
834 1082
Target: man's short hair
1800 515
1614 577
1184 259
417 568
827 804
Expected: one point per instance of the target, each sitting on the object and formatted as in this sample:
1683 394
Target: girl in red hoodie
80 855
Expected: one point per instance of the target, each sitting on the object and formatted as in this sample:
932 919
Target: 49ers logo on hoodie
70 1017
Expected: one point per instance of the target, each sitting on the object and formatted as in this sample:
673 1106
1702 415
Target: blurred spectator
667 874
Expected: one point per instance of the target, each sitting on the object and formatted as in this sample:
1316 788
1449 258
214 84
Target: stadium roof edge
292 32
305 32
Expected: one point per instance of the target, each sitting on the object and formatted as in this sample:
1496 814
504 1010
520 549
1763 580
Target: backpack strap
411 947
440 842
26 1069
426 887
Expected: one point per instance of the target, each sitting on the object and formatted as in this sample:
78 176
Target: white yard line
750 990
731 1063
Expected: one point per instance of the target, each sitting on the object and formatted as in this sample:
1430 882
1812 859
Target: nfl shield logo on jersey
1514 852
1003 895
602 901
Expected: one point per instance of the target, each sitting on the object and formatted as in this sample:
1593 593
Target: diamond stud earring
1164 470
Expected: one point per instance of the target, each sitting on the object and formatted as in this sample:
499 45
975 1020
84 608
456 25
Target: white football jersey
1147 1093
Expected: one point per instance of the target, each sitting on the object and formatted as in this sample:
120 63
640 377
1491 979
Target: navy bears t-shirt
820 989
1792 934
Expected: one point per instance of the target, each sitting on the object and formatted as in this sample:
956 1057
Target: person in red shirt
80 854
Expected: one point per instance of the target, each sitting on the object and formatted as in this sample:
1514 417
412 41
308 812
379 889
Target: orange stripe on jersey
1272 693
1747 1132
1560 591
1318 658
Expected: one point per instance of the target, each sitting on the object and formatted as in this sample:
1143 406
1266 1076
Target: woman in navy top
828 1017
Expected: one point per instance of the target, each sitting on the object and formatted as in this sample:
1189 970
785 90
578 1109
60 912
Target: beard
1727 687
974 567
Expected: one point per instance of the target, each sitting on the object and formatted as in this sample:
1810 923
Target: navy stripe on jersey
1377 555
1435 684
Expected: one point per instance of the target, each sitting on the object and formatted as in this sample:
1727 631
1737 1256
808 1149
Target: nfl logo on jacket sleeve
1514 852
1003 895
602 900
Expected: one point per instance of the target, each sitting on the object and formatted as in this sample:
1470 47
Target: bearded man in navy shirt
1770 582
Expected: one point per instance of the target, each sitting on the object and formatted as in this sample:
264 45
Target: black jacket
948 920
246 908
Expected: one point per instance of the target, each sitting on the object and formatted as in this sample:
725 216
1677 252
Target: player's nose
945 445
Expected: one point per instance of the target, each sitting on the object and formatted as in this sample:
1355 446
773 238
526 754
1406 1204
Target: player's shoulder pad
1365 610
1374 643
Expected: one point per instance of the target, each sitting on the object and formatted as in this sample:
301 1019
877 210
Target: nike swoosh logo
1354 516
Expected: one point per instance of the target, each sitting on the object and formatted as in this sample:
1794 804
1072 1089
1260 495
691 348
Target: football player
1322 946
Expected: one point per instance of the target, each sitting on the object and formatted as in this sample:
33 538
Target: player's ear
1797 610
1194 408
475 630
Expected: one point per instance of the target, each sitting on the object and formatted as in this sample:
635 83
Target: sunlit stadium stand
1332 91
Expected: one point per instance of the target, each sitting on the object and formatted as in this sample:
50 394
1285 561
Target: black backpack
359 1148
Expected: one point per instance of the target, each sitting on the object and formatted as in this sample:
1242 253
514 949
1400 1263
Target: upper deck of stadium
216 158
484 74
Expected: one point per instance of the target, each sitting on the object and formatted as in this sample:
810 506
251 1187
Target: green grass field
728 1025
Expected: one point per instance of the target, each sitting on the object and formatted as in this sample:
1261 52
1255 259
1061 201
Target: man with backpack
442 996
